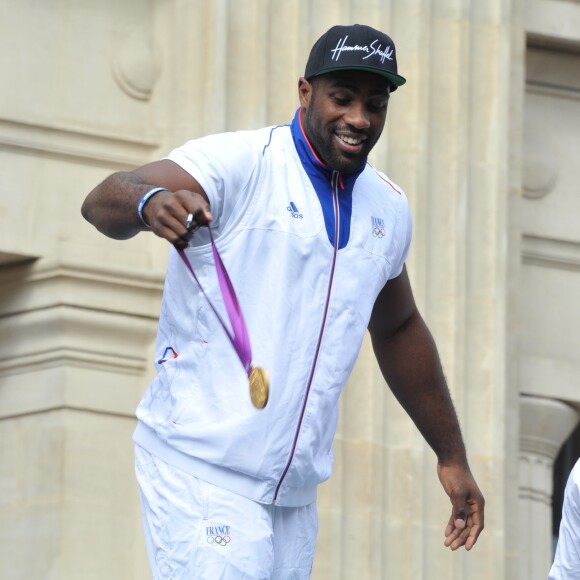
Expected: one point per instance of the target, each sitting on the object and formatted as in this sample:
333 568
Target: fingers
462 533
472 537
467 516
476 525
178 215
456 533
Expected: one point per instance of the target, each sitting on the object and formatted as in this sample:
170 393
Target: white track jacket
308 250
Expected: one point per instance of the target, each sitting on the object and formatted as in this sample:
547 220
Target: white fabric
198 406
566 564
195 530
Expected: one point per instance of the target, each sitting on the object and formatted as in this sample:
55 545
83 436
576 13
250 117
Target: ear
304 92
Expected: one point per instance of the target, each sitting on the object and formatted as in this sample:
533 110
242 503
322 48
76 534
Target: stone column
450 135
77 311
76 346
544 426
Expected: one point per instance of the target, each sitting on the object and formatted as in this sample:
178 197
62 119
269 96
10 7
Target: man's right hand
112 206
167 213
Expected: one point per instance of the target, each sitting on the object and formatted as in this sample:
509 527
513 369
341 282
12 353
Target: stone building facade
484 140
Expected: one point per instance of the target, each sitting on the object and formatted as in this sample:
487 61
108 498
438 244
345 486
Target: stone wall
482 139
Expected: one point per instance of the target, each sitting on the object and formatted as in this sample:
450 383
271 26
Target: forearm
410 364
112 206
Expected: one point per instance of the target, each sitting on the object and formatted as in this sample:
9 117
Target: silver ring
188 221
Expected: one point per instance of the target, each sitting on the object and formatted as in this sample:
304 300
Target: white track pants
197 531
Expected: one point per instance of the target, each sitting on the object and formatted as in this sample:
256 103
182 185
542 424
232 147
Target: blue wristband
145 199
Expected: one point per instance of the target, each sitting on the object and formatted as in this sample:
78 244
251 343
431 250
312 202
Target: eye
377 106
341 100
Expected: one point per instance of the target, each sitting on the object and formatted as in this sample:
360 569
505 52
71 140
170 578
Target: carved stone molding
137 65
548 252
112 149
48 282
75 336
544 426
540 172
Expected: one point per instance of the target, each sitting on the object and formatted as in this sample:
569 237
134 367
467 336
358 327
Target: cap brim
396 80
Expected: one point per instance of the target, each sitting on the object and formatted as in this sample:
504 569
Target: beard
323 138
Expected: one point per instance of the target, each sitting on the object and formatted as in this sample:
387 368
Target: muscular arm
409 361
112 206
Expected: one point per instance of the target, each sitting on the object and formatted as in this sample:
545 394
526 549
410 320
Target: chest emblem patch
378 227
218 535
294 211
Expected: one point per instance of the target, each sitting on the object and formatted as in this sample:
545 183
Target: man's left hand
466 522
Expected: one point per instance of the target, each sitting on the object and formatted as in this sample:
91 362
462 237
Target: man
315 241
566 564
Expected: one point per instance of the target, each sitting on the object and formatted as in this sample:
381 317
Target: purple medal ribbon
239 334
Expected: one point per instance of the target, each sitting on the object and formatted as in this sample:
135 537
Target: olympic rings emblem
219 540
378 232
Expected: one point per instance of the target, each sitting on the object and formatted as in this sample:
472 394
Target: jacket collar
310 160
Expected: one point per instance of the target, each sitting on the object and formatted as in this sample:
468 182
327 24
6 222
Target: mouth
350 143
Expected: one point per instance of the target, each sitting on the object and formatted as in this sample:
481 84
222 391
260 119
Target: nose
357 116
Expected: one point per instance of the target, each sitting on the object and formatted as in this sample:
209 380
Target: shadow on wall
569 454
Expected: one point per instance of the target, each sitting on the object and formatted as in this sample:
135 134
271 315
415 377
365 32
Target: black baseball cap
358 47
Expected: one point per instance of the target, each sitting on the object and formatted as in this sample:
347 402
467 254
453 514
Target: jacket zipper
335 181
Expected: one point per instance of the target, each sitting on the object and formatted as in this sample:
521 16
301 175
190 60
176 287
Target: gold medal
259 387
